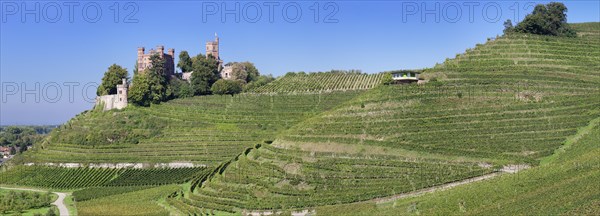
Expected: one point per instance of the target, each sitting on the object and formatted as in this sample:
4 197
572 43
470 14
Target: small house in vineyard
405 76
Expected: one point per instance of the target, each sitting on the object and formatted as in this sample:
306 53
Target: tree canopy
185 62
259 81
206 72
139 92
549 19
111 79
251 70
18 201
181 88
387 79
231 87
151 86
245 71
19 137
238 71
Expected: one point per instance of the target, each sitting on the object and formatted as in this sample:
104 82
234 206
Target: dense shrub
18 201
230 87
550 19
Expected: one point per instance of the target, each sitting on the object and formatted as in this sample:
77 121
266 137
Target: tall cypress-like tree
185 62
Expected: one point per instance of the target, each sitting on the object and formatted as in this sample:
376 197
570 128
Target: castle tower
121 95
212 47
140 58
172 52
161 50
141 51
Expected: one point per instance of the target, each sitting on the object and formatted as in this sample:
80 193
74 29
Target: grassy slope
566 185
513 100
204 130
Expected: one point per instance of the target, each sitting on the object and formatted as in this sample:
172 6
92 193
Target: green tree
549 19
238 71
139 92
230 87
258 82
151 86
158 69
206 72
251 70
181 89
135 68
508 26
185 62
51 212
111 79
387 79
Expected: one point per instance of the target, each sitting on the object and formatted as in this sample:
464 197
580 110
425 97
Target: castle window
120 92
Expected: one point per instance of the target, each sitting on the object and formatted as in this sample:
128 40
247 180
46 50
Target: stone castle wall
114 101
110 102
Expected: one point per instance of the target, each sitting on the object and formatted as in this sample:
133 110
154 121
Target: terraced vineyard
513 100
316 82
276 178
204 130
98 192
490 124
309 140
566 185
140 202
73 178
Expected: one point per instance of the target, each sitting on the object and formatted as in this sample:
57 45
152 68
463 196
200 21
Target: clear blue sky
373 36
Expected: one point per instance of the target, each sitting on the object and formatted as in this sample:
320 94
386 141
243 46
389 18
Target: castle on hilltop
119 100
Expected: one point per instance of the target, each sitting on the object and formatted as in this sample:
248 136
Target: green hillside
513 100
325 141
568 185
205 130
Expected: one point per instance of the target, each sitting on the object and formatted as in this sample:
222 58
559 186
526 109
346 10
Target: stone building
226 72
143 59
187 76
115 101
212 48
